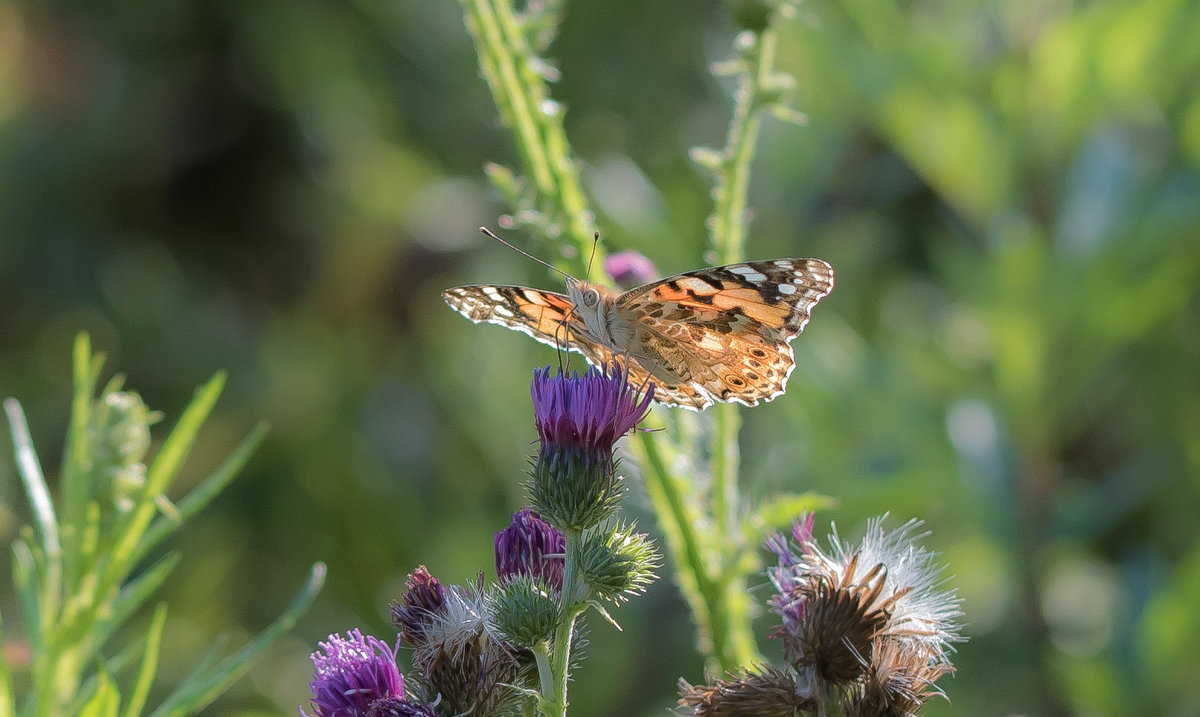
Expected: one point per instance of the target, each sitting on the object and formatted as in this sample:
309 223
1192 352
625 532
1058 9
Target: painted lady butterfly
716 334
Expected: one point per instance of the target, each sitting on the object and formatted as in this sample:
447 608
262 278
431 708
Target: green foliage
76 574
1009 193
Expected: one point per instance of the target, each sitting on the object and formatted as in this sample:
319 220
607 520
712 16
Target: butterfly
717 334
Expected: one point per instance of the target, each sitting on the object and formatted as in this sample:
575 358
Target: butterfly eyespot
758 353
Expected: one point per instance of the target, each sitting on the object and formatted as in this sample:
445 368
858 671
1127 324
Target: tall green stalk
551 195
713 544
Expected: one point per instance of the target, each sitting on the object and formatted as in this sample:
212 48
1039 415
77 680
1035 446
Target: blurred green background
1009 192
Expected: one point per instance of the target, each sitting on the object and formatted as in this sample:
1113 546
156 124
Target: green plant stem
509 66
708 548
728 239
733 174
76 466
554 704
709 552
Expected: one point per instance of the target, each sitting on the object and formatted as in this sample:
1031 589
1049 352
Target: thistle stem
554 704
510 67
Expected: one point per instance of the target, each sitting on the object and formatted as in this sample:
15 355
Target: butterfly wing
723 333
544 315
547 317
673 392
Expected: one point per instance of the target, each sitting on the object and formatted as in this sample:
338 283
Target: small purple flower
590 411
353 674
789 576
579 419
530 546
630 268
423 598
802 533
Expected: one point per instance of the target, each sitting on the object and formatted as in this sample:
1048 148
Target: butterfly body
716 334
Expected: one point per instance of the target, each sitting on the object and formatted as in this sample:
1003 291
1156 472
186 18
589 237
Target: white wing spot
748 273
491 292
502 311
786 289
785 263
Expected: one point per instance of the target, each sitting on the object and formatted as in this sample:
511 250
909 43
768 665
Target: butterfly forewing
776 293
540 314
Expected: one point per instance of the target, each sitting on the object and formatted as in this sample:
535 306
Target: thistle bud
530 546
616 564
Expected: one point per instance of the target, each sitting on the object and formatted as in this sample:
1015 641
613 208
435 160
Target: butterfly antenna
551 267
595 243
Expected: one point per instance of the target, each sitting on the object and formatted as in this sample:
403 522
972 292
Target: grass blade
39 499
162 470
208 489
76 466
6 696
145 678
195 693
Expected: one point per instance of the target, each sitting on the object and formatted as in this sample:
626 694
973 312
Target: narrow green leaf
23 580
30 470
89 557
208 489
197 692
76 467
210 658
114 665
105 701
135 593
162 470
145 678
7 707
100 625
179 443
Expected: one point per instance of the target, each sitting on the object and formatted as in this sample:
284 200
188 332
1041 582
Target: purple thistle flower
524 546
354 673
630 268
579 419
787 578
424 597
589 412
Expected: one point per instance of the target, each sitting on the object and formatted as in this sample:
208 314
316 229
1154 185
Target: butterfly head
590 308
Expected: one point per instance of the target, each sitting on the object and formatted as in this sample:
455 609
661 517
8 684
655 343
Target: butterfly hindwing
724 331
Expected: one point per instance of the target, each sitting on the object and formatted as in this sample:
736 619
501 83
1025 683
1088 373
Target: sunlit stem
511 68
554 704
